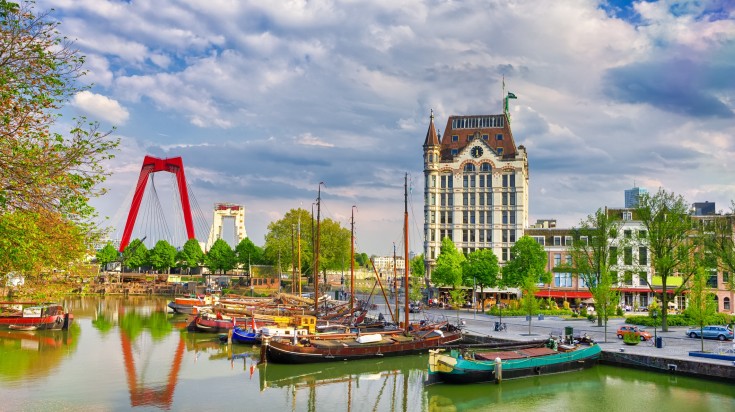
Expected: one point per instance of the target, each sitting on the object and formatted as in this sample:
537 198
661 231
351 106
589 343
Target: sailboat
412 339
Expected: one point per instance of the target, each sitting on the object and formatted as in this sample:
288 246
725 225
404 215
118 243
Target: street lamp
654 314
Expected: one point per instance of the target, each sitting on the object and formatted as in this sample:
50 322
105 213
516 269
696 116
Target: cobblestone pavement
676 344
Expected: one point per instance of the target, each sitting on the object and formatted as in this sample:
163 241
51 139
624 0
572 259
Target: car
711 332
414 307
625 329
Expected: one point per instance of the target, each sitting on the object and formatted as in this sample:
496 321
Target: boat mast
316 251
406 260
352 261
293 264
298 234
395 280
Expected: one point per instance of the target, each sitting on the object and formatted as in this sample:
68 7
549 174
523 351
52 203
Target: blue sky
263 100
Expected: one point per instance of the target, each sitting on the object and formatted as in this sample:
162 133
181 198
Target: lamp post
654 314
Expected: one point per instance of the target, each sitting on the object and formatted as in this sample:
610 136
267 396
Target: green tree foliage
334 251
448 270
417 278
481 269
526 270
107 255
190 256
701 301
135 255
46 178
220 257
591 260
668 224
33 242
282 240
248 253
362 260
417 266
162 257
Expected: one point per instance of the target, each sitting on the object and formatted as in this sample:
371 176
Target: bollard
498 370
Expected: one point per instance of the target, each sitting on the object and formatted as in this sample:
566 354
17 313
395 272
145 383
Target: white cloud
102 107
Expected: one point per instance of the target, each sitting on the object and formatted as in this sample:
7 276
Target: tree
220 257
417 278
162 257
135 254
720 242
481 269
248 253
591 258
362 260
525 270
46 178
448 270
106 255
191 255
283 232
701 301
666 219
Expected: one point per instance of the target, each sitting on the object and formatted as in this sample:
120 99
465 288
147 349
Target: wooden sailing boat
325 348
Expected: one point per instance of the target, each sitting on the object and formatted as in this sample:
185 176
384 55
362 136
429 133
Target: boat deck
516 354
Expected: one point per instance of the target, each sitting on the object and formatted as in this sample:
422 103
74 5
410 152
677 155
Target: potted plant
631 338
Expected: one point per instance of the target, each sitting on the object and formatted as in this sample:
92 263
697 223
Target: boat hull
343 349
50 318
456 370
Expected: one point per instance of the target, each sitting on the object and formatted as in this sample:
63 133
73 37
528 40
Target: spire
431 137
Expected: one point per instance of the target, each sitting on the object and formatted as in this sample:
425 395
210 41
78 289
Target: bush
632 338
619 311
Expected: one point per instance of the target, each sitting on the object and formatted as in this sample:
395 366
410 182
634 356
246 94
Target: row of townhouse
630 262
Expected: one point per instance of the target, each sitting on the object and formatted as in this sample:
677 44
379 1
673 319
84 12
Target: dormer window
499 136
455 137
500 151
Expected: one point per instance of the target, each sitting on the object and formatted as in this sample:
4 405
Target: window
482 181
642 255
500 151
433 181
568 240
485 137
499 136
485 167
725 277
469 167
465 196
628 255
472 199
642 279
472 179
505 217
712 280
505 180
627 215
512 215
504 254
557 240
512 180
512 196
642 234
512 236
505 199
470 137
505 236
568 259
563 280
539 239
628 278
583 240
454 152
628 234
465 181
482 217
455 137
557 259
726 303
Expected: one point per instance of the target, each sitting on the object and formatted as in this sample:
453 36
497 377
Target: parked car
414 307
711 332
644 334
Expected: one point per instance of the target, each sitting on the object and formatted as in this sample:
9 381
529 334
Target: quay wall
673 366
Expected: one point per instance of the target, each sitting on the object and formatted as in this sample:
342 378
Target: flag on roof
511 95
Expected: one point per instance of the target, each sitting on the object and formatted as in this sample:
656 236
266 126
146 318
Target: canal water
131 354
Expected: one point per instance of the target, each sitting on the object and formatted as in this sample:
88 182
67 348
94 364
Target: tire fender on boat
537 370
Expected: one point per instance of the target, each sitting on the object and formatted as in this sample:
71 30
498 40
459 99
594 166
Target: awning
571 294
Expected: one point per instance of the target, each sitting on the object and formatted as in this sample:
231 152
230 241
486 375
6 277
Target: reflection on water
124 353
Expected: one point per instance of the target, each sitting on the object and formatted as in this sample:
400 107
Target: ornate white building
476 186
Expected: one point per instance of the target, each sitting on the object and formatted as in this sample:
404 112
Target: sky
265 99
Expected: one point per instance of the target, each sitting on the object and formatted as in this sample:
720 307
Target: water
124 354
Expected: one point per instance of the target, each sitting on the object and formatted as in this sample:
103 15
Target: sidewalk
676 345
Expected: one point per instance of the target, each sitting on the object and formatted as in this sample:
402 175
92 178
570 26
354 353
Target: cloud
102 107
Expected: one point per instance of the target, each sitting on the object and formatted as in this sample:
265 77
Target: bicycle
652 342
501 327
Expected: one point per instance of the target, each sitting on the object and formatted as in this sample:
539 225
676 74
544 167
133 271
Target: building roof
431 137
493 130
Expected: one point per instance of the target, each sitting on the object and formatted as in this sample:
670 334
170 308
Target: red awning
566 294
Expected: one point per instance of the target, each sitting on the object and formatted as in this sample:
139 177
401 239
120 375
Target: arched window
726 303
485 167
469 167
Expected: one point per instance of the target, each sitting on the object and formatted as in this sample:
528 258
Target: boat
35 317
464 366
191 305
411 339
